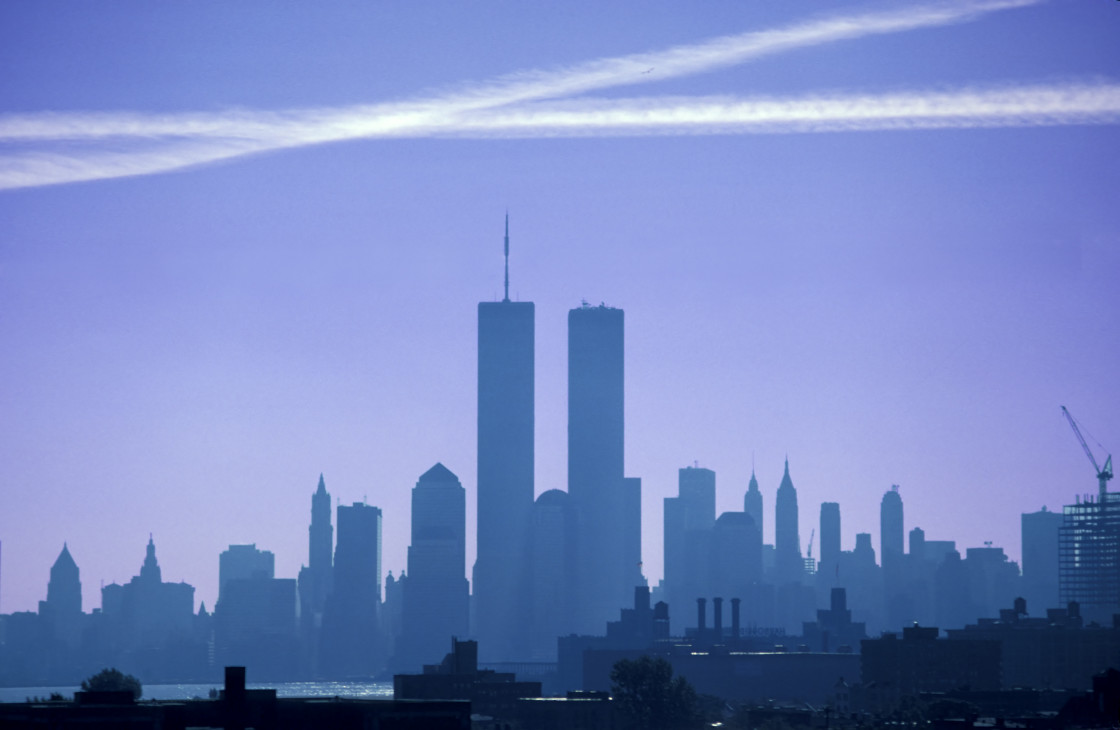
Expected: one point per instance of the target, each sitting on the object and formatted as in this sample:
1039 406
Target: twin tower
565 562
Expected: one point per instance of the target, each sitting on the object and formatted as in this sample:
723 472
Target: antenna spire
507 258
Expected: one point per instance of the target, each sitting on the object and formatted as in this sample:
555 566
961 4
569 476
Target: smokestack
735 617
701 618
717 617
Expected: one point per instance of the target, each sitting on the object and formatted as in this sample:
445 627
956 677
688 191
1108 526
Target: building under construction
1089 556
1089 546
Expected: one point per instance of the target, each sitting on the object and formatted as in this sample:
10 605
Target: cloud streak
51 148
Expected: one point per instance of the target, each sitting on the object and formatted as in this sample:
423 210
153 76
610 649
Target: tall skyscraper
64 590
505 472
315 577
350 646
436 594
687 543
892 534
830 539
604 502
752 504
788 566
1040 560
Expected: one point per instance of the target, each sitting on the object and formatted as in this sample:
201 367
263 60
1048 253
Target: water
350 690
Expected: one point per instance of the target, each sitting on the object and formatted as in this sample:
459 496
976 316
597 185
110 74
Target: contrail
162 143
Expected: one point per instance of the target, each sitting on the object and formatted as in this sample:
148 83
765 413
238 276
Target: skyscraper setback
505 470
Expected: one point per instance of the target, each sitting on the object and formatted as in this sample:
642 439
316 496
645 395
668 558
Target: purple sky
243 244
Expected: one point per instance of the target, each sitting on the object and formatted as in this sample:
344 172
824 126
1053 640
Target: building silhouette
788 566
64 589
315 577
687 538
1040 557
1089 555
505 472
350 646
752 504
607 506
830 540
553 543
892 555
436 594
241 562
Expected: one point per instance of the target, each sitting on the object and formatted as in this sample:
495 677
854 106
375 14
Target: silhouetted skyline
185 352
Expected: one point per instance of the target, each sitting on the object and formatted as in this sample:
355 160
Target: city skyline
187 352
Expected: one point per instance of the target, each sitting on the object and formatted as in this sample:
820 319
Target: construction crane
811 536
1103 475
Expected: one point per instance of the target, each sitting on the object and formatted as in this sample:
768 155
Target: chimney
717 617
701 618
735 618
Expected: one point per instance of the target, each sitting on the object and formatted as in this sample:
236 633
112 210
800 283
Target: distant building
436 594
241 562
505 472
350 645
788 566
687 537
552 582
830 539
1040 557
315 577
1089 556
606 504
834 629
752 505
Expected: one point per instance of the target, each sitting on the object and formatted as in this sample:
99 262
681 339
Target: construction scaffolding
1089 555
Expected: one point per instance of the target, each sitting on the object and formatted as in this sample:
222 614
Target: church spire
150 571
506 299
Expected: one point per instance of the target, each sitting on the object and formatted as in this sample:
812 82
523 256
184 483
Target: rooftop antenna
507 258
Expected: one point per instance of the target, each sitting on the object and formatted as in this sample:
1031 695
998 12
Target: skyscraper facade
687 542
64 590
752 504
788 566
606 505
436 593
830 538
350 621
892 533
315 577
505 472
1040 559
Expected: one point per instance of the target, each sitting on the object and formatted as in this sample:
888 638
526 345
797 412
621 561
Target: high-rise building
239 562
315 577
752 504
1089 555
350 622
687 542
606 505
788 566
830 538
1040 559
552 577
436 596
64 590
505 472
892 534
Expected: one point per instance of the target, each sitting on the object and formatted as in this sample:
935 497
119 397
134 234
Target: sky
243 244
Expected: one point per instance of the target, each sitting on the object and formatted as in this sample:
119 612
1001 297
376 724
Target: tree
648 696
112 680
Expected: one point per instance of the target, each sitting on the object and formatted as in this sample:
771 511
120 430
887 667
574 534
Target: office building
436 592
606 505
505 472
1040 558
788 566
